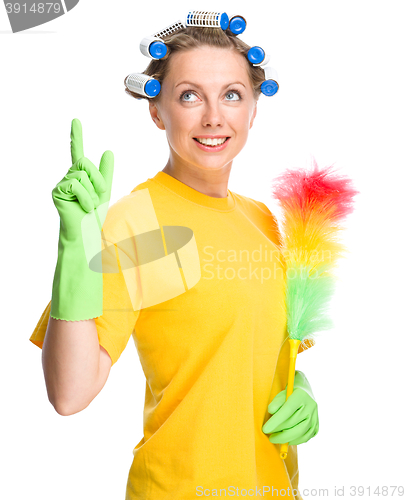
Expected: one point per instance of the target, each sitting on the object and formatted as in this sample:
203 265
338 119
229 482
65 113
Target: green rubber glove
296 420
81 198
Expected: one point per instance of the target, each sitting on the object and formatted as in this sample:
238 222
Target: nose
212 115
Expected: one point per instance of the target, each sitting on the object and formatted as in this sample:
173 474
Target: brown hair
191 38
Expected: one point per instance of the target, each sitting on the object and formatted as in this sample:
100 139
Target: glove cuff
77 291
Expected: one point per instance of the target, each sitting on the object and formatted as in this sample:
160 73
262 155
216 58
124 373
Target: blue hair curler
237 25
143 84
270 86
204 19
256 55
153 46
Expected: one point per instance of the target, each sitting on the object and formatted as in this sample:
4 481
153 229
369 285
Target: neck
212 182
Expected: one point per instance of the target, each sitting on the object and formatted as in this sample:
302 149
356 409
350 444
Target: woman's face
207 93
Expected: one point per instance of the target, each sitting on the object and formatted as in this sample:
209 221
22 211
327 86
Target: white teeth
212 142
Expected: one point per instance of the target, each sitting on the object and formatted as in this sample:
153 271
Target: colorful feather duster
313 204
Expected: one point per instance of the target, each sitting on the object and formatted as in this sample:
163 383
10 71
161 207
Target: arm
75 366
71 352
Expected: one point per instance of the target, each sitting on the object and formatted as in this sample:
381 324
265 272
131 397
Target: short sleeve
273 231
115 326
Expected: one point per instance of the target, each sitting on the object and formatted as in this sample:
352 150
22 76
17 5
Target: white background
342 79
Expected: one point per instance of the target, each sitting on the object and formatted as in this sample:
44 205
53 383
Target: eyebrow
199 87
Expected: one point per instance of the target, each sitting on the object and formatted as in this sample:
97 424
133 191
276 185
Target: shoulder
264 217
247 202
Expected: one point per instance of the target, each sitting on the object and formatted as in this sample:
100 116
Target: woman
210 333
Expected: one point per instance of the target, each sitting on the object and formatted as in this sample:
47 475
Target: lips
212 149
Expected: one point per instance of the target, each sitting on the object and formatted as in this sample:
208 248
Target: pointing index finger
76 144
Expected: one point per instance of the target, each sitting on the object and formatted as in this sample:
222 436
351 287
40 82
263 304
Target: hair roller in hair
237 25
143 84
170 30
270 86
256 55
153 47
204 19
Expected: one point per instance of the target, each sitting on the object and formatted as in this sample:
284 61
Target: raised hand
84 187
81 198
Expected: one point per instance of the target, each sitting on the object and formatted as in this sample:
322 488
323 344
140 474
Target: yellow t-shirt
207 314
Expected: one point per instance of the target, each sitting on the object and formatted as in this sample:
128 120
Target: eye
235 92
187 94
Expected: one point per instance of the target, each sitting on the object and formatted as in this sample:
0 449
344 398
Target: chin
211 161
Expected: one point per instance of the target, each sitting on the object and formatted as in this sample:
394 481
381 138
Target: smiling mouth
211 142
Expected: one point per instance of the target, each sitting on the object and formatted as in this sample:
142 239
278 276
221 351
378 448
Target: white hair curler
173 28
256 55
270 86
237 24
143 84
204 19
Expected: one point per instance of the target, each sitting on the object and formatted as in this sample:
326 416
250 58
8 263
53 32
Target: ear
154 112
254 114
